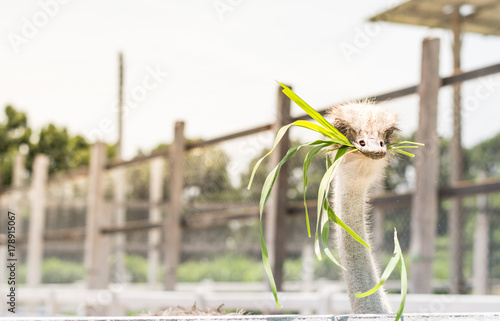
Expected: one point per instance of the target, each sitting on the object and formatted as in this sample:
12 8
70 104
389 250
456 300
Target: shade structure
479 16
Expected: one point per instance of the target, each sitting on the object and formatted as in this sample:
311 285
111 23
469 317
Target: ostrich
369 129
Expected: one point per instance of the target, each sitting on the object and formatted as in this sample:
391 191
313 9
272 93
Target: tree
484 157
396 175
206 175
14 133
66 152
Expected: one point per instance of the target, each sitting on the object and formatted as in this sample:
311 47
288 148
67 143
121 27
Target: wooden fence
165 232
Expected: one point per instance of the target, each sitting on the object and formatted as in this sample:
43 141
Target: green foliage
14 132
55 270
292 270
224 268
484 157
206 173
136 267
66 152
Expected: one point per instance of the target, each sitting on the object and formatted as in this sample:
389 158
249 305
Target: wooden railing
98 231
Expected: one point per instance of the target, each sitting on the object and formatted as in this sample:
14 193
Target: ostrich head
367 126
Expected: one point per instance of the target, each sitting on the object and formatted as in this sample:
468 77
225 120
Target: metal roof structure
478 16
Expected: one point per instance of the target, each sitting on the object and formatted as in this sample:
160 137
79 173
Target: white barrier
119 300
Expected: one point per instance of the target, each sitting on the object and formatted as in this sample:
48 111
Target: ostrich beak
371 147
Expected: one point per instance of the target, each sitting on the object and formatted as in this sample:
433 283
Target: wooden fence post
18 170
15 198
3 258
275 229
481 246
37 220
120 218
97 247
154 235
455 217
13 205
425 198
172 229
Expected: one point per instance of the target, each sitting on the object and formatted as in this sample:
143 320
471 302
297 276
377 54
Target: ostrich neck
352 184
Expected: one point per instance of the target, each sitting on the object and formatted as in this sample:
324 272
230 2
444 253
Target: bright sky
213 64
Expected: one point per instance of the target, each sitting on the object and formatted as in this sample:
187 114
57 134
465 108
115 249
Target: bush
136 267
55 270
226 268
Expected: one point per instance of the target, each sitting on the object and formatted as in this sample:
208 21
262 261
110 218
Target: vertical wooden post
308 259
154 236
275 230
18 170
3 258
172 229
120 218
425 198
13 204
96 244
37 220
455 218
119 143
481 246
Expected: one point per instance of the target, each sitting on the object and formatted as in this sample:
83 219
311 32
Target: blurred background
129 131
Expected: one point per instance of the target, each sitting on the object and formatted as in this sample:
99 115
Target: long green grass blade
404 276
267 265
266 192
324 240
271 177
337 220
326 181
393 147
403 152
397 257
281 133
314 114
324 187
307 162
278 138
332 258
406 142
329 159
317 128
387 272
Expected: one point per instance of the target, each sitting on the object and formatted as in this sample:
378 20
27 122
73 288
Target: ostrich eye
388 134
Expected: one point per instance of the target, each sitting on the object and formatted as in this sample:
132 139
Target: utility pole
119 174
455 217
120 108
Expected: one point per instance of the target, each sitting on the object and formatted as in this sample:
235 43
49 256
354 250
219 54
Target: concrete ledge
345 317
